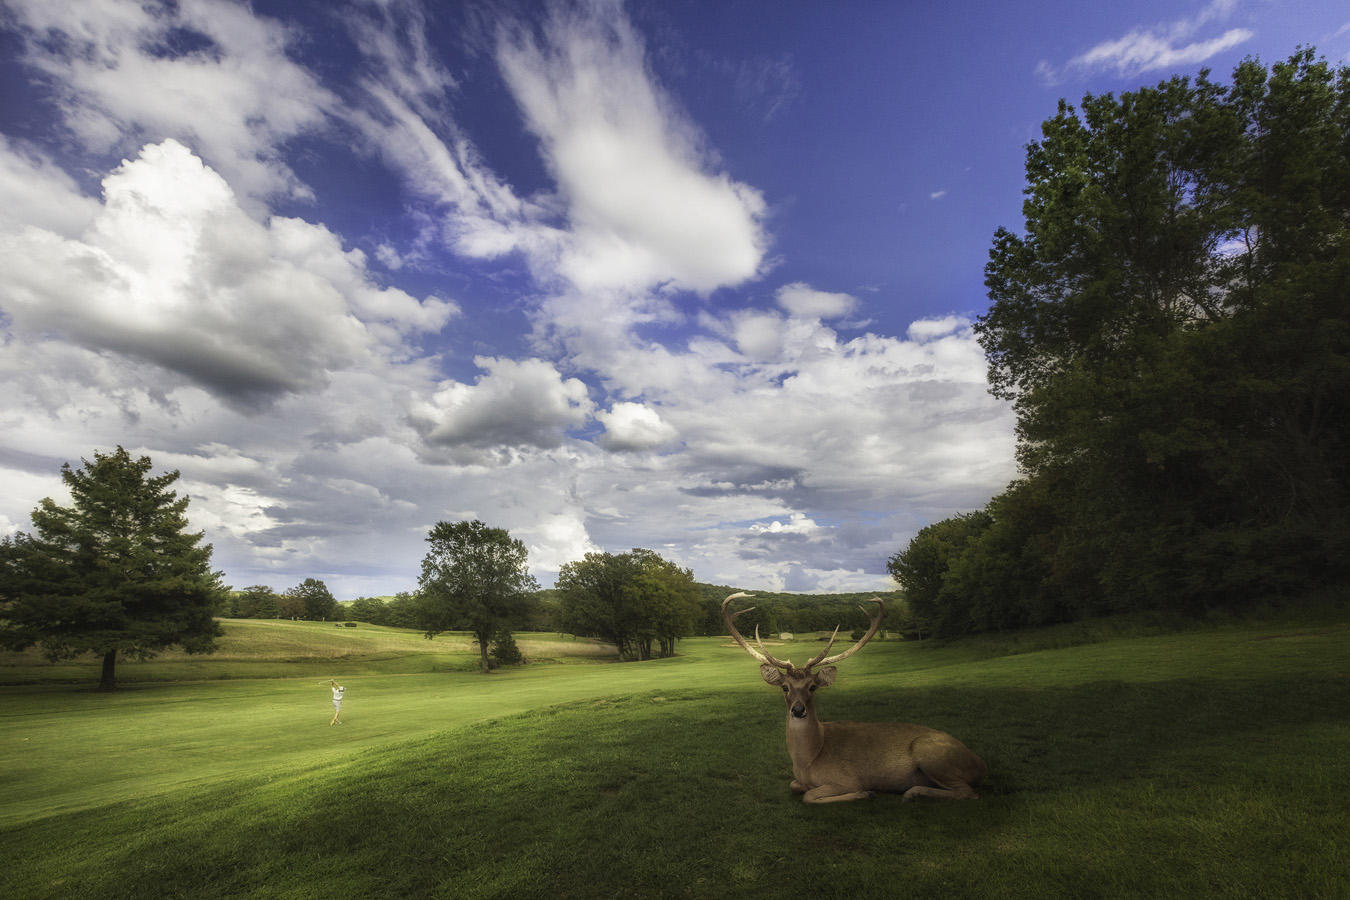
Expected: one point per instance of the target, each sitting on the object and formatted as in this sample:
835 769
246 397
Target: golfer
338 691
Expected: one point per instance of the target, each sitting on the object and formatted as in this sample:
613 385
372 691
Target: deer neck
805 737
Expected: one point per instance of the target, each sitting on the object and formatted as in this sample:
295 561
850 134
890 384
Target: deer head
799 684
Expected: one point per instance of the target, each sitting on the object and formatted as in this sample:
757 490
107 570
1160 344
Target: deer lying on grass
834 761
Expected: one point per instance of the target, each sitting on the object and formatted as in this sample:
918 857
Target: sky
697 277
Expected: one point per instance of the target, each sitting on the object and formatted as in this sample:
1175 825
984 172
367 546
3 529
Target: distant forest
774 613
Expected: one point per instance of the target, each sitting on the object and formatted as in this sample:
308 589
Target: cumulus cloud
798 523
170 270
526 404
210 73
34 191
804 301
1165 46
634 426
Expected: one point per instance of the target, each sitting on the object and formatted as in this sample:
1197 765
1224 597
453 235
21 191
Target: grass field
1212 762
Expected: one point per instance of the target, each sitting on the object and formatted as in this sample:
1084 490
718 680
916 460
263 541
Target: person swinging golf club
338 691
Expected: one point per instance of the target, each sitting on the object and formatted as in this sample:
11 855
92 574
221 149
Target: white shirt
338 692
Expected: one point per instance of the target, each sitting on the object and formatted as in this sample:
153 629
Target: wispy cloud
1164 46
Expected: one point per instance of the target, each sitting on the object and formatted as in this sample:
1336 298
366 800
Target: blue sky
690 276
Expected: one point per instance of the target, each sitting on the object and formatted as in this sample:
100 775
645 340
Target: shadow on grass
1104 789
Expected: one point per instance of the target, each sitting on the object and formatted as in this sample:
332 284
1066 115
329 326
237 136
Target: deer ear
825 676
772 674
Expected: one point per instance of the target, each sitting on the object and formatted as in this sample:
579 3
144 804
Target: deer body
834 761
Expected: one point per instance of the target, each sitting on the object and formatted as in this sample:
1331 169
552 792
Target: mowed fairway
68 747
1205 763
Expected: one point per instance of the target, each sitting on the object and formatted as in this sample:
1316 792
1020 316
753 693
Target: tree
403 611
631 600
474 577
1173 331
117 571
257 602
669 602
921 568
368 609
597 600
314 601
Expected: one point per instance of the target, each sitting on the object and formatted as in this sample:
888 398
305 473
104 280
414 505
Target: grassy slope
1210 763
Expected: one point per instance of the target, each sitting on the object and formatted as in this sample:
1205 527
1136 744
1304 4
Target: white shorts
337 704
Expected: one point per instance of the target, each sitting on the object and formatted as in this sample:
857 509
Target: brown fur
833 761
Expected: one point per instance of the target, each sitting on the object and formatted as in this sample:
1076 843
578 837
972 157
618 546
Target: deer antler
822 660
761 654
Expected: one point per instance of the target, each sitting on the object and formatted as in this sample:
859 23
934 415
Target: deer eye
812 688
785 688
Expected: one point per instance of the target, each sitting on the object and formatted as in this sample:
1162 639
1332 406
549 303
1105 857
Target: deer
837 761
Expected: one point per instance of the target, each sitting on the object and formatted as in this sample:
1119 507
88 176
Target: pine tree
115 572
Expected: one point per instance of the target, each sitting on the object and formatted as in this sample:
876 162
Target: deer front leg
797 787
833 793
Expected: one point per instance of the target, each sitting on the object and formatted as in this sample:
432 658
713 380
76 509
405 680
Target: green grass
279 648
1212 762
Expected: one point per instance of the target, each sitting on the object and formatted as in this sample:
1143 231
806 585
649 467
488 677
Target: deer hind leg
959 791
833 793
946 772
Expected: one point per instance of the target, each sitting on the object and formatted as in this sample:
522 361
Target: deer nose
799 710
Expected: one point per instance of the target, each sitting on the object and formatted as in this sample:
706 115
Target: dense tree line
398 611
802 614
1173 330
310 599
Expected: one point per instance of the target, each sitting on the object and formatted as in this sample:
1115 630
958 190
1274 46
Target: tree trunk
108 682
483 661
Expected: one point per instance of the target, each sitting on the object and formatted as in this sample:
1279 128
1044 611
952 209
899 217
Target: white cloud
804 301
1164 46
33 191
798 523
937 195
645 204
173 272
1145 51
927 329
634 426
131 319
525 404
208 72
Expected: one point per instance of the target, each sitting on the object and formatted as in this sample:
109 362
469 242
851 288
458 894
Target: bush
505 652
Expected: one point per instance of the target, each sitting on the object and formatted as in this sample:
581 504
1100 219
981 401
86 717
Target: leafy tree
669 602
403 611
257 602
117 571
597 599
368 609
314 600
290 605
920 569
632 600
474 577
1173 331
